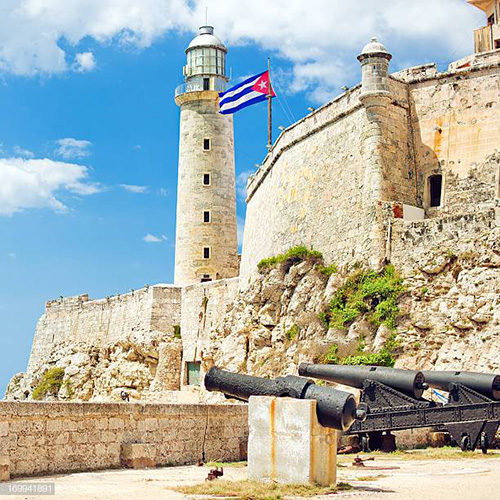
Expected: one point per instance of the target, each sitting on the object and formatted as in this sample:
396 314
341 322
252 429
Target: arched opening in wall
206 278
435 190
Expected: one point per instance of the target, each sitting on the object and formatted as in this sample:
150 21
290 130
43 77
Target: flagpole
269 109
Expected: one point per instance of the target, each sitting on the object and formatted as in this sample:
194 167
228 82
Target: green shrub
331 356
177 331
295 254
50 383
383 358
292 333
367 293
328 270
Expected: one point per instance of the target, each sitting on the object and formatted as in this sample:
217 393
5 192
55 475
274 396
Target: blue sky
93 107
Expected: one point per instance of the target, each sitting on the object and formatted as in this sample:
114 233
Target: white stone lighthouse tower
206 245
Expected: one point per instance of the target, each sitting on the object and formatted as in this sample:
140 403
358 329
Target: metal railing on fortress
335 409
394 402
198 84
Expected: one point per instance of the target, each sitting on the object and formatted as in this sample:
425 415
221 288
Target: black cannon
335 409
409 382
393 399
483 383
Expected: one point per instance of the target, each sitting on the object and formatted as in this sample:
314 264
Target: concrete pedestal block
287 444
4 469
137 456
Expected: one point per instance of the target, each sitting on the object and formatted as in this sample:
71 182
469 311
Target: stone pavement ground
441 479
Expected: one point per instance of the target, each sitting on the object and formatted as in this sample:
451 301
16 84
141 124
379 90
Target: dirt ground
395 477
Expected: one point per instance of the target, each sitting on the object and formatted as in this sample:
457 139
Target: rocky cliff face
145 368
449 316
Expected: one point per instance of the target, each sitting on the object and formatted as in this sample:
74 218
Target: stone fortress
402 168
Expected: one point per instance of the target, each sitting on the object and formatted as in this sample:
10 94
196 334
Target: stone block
54 426
287 444
4 429
137 456
4 469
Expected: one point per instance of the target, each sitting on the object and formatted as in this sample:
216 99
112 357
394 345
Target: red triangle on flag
263 85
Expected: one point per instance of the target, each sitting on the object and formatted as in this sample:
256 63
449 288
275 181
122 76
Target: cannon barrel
409 382
485 383
335 409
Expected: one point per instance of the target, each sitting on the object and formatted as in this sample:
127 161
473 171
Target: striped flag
253 90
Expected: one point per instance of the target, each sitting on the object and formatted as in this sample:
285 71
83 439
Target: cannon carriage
394 401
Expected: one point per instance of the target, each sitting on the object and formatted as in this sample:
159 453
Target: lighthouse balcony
201 83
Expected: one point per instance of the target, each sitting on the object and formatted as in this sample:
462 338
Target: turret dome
206 38
374 48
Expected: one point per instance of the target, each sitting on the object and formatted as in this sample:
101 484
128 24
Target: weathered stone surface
288 449
62 437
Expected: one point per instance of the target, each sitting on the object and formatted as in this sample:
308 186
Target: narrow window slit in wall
435 190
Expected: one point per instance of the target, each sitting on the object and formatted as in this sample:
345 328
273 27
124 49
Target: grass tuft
367 293
292 332
50 383
295 254
254 490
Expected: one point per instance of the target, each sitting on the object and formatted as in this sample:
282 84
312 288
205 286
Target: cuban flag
253 90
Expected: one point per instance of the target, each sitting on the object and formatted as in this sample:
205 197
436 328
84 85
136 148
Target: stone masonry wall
122 343
456 128
313 183
203 306
42 438
94 323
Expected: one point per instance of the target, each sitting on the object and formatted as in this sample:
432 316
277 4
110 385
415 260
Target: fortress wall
400 170
412 242
456 124
42 438
77 320
203 305
311 190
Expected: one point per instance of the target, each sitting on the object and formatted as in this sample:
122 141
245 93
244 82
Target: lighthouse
206 246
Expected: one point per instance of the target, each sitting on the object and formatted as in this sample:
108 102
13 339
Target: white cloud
84 62
163 192
72 149
11 255
151 238
241 183
320 38
131 188
28 183
24 153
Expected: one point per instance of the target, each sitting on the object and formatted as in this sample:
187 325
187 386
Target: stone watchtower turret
206 242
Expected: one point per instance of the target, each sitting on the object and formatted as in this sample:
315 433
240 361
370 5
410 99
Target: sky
89 128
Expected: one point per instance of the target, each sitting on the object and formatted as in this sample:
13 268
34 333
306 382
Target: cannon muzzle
486 384
409 382
335 409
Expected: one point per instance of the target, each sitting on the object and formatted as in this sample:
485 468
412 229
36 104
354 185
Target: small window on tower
206 278
206 179
206 144
435 190
206 216
206 83
206 252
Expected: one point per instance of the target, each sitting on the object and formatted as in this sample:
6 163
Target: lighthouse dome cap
206 38
374 47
